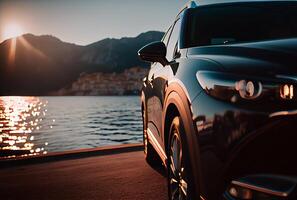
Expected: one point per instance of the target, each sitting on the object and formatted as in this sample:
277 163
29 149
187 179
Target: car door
153 103
160 78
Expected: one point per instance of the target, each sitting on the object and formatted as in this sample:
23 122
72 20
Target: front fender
177 97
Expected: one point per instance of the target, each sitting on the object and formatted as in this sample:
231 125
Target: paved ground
117 177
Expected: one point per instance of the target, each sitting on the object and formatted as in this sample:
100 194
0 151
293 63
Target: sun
12 31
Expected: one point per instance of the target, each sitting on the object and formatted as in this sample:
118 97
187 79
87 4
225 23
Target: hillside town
128 82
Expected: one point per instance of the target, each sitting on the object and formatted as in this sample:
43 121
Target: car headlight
236 88
248 89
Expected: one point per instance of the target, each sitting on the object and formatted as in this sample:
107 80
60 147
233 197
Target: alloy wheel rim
177 173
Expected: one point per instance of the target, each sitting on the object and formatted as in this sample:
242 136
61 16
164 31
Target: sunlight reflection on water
19 118
38 125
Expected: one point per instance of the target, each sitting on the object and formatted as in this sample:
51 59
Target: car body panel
272 57
226 140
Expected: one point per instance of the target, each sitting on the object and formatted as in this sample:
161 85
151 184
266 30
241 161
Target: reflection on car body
219 103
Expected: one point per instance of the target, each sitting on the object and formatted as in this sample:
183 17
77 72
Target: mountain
37 65
114 55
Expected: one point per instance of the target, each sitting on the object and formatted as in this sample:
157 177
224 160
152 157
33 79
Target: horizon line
117 38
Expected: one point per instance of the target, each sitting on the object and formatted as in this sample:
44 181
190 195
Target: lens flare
12 31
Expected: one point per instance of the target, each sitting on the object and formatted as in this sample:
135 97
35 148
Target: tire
150 154
179 175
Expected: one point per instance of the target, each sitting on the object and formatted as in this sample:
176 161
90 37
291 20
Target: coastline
71 154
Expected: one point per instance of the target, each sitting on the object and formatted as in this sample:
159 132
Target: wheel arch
177 102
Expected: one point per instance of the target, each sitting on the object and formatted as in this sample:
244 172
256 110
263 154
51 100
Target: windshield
224 24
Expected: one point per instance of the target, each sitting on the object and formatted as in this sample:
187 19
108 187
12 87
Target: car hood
268 57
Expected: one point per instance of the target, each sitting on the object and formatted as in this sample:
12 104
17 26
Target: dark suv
220 101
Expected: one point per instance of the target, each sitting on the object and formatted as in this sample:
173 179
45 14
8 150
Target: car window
172 44
166 36
251 22
165 41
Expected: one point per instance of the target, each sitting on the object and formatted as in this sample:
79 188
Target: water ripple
34 125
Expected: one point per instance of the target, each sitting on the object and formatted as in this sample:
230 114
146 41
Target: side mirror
154 52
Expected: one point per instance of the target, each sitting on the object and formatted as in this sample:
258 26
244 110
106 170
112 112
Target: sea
40 125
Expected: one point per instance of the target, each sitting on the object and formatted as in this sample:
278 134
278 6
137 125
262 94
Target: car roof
198 3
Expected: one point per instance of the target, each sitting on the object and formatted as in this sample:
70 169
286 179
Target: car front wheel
179 173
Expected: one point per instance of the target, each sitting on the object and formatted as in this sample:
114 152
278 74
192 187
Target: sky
86 21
